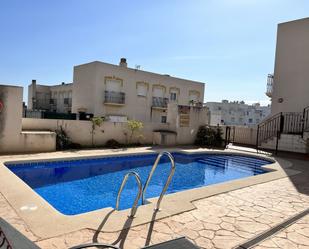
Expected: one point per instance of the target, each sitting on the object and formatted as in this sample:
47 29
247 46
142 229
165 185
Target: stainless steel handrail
140 192
168 181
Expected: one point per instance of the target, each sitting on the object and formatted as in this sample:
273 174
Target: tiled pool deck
221 221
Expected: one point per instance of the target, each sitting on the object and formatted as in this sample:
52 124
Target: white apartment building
288 87
117 92
236 113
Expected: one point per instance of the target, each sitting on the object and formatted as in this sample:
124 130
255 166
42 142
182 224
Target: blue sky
228 44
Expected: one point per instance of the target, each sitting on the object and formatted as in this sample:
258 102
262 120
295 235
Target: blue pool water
79 186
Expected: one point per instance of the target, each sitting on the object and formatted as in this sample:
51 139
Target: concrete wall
288 142
291 74
80 131
10 117
89 86
12 139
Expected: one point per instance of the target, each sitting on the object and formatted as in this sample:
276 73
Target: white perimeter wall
80 131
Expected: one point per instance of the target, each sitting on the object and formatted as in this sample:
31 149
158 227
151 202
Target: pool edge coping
46 222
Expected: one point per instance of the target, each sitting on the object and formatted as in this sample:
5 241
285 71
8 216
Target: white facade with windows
236 113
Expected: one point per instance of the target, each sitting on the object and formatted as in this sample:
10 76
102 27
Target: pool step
240 168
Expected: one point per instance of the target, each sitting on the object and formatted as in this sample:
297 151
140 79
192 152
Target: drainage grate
256 240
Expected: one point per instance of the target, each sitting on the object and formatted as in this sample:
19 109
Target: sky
227 44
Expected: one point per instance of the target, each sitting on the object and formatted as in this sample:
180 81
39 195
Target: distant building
57 98
236 113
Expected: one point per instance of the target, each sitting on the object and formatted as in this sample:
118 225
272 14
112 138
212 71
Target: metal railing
293 122
305 120
138 196
282 123
159 102
168 181
114 97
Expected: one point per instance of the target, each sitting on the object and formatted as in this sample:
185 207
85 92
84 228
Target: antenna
137 67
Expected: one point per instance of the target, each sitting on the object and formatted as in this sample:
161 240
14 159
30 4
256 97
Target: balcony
159 102
270 83
114 98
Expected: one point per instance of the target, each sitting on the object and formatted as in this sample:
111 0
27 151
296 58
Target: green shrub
134 126
62 139
95 122
208 136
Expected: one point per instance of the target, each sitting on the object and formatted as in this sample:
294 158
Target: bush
208 136
113 144
62 140
134 126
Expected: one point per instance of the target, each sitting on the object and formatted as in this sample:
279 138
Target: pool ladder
142 190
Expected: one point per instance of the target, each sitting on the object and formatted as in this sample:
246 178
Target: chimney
123 62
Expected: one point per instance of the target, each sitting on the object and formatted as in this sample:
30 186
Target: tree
134 126
96 122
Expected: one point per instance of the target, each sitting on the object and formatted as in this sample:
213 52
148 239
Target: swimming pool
79 186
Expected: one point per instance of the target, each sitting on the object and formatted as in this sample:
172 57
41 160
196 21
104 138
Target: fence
241 134
48 115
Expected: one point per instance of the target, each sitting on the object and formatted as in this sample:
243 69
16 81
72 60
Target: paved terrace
223 221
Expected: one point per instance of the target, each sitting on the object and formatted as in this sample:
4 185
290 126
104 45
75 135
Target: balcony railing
114 97
270 83
159 102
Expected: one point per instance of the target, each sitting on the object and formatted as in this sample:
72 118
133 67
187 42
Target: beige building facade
288 87
119 92
116 92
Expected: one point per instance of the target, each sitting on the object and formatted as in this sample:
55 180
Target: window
158 92
51 101
173 96
113 85
142 89
66 101
250 120
194 96
163 119
233 119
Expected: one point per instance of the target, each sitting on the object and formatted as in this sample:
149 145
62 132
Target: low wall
12 139
80 131
242 134
37 141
